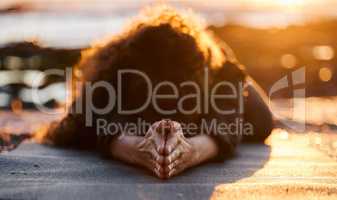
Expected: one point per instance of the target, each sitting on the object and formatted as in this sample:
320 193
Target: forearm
206 148
125 148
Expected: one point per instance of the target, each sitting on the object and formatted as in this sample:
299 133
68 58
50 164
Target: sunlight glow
284 135
290 3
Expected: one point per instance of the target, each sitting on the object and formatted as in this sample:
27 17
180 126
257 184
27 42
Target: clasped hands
165 151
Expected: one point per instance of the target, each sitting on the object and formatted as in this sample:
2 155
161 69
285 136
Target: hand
180 153
166 152
151 148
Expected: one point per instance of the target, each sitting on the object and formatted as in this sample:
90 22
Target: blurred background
270 37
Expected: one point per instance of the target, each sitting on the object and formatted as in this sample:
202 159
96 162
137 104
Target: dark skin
164 150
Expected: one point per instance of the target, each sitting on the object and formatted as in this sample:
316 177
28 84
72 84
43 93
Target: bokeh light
13 62
284 135
325 74
323 52
16 106
288 61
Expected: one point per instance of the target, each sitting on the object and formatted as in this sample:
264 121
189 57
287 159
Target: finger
176 127
175 171
171 166
164 127
160 160
142 143
151 163
152 129
156 169
159 174
160 169
149 132
157 157
173 156
175 138
158 139
171 144
148 164
146 143
161 147
183 141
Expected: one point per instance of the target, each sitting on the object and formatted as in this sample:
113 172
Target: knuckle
151 139
161 170
172 173
160 160
176 163
167 160
157 173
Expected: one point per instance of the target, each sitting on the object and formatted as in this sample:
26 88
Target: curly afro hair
164 44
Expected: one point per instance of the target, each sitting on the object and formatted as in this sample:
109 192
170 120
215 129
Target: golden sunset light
252 4
168 99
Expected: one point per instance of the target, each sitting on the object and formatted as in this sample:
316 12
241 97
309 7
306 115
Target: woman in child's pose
171 47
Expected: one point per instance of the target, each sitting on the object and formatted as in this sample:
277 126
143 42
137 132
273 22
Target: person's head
166 46
164 42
